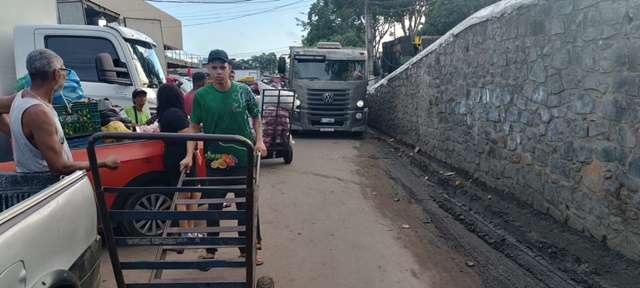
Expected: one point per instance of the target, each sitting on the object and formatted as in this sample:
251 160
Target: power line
211 2
203 17
263 51
202 12
274 9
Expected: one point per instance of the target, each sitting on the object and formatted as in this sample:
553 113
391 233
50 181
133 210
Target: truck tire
148 202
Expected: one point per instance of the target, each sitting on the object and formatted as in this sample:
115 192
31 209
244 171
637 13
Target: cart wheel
265 282
288 156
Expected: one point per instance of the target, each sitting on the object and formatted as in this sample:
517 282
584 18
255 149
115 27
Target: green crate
84 119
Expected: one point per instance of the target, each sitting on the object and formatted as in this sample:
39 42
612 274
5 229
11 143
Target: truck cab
111 61
331 83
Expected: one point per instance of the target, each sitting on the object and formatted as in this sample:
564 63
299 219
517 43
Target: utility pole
369 38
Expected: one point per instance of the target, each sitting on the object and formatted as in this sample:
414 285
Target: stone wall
537 98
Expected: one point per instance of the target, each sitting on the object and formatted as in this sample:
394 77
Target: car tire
146 202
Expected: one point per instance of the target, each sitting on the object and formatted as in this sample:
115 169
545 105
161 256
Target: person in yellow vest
138 115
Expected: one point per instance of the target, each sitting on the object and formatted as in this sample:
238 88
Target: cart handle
93 161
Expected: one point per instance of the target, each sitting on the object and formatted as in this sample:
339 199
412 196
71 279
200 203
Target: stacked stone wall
543 102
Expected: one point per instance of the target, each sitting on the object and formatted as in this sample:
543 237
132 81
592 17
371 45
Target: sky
242 30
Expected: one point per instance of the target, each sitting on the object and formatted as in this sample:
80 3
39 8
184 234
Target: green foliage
342 21
265 62
446 14
325 23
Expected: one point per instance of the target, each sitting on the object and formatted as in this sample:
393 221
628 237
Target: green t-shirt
225 113
143 116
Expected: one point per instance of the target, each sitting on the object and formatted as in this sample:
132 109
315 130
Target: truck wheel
148 202
265 282
288 156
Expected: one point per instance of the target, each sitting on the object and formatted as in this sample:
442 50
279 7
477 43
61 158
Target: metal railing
185 58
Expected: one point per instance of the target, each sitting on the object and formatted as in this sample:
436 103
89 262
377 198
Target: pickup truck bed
15 188
140 166
48 231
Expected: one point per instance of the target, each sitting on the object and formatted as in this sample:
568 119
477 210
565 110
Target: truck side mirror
376 68
282 65
108 73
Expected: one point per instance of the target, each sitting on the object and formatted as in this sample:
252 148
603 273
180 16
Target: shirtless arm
37 122
5 106
191 146
4 125
5 103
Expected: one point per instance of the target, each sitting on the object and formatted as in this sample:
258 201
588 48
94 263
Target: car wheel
146 202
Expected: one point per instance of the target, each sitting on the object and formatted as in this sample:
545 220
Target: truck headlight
360 103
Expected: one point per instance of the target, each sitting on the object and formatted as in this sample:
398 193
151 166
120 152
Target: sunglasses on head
66 70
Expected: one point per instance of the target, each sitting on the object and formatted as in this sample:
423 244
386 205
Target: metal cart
277 107
176 243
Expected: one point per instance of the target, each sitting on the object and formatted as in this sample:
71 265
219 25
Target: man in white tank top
39 144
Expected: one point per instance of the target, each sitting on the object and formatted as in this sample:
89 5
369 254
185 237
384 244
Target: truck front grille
323 104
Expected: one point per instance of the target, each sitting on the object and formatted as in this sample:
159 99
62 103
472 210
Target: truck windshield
328 70
146 64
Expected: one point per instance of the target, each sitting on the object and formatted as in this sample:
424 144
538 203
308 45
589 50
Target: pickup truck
48 232
140 166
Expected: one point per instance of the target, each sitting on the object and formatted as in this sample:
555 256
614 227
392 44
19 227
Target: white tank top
27 158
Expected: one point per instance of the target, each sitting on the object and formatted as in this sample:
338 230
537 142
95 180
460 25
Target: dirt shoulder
550 252
457 257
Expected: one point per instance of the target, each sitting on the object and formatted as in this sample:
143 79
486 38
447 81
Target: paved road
330 219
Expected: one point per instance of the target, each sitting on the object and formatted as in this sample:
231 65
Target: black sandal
204 257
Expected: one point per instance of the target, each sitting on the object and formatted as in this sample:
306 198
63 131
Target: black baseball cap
138 92
218 54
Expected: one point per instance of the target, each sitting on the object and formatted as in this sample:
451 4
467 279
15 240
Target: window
329 70
79 53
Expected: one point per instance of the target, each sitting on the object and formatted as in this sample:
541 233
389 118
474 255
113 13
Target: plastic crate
84 119
81 143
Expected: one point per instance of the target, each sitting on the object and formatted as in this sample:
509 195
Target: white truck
111 61
48 231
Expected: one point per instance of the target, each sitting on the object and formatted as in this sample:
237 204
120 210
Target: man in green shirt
137 114
221 108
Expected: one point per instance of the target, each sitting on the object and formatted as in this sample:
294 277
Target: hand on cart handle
260 148
186 163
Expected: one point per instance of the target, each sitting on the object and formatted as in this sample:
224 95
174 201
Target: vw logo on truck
328 97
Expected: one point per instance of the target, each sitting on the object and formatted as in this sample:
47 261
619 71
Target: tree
242 64
408 13
342 21
446 14
265 62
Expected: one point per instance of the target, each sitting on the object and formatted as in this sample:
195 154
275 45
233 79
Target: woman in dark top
173 119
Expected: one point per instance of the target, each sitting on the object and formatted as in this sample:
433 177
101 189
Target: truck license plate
326 130
328 120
